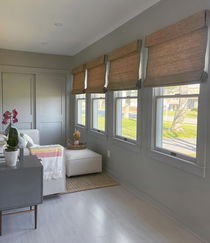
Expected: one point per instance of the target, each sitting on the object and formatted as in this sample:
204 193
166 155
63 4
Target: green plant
12 142
11 118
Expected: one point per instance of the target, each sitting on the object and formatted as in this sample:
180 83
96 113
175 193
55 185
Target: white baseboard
156 204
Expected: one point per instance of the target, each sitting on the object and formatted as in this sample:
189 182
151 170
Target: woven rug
88 182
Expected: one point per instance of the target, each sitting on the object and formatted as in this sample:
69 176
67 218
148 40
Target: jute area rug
88 182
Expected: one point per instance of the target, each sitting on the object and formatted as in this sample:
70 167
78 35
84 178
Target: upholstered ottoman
79 162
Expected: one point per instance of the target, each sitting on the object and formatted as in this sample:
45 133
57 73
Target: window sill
97 133
185 165
80 126
129 144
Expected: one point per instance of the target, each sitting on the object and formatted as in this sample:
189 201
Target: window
81 109
176 109
126 114
98 111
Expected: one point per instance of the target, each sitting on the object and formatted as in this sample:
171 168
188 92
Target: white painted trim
178 163
207 51
117 115
125 144
92 114
95 133
197 168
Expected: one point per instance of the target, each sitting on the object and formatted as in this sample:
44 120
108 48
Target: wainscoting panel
54 132
50 107
17 92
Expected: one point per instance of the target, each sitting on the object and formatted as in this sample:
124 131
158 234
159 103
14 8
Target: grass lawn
129 128
189 130
189 114
101 123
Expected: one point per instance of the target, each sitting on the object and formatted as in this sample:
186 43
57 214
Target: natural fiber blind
96 75
176 54
78 80
124 67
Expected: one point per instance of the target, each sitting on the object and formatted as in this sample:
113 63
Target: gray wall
35 60
32 82
183 195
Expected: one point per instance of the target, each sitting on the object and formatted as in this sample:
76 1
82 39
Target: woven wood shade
96 75
176 54
124 67
78 79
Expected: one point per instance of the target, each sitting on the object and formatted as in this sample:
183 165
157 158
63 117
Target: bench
79 162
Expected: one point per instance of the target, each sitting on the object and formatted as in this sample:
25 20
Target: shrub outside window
126 114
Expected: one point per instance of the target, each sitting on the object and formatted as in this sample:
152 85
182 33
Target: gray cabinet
21 186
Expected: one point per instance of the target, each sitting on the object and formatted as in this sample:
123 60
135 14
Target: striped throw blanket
51 158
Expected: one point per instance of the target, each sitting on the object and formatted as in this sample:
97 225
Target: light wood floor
108 215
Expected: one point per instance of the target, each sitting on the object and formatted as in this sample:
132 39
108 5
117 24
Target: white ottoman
82 161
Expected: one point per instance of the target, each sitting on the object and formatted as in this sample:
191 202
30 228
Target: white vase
76 142
11 157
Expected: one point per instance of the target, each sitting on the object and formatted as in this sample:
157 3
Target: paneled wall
50 107
17 92
40 99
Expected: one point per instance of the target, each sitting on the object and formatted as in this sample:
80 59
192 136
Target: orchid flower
10 117
15 113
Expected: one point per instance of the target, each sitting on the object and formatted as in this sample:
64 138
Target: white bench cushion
79 162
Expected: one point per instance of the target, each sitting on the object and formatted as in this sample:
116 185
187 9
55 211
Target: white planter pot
76 142
11 157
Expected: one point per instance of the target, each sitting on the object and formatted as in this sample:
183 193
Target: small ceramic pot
76 142
11 157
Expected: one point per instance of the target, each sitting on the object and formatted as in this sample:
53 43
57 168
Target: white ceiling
30 25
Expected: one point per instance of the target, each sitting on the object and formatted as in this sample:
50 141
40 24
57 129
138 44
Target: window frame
198 166
92 114
164 150
76 111
118 137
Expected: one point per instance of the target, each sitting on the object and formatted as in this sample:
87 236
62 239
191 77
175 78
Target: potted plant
76 136
11 151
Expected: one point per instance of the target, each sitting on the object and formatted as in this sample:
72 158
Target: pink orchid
15 120
10 117
15 113
4 121
7 114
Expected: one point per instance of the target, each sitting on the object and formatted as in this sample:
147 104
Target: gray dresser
21 187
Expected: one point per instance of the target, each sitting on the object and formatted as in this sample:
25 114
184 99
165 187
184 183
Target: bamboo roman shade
96 71
176 54
124 67
78 79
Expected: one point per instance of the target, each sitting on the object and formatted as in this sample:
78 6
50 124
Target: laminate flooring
106 215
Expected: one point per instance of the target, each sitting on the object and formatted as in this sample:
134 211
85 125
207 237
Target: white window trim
198 166
162 150
76 112
91 122
118 137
